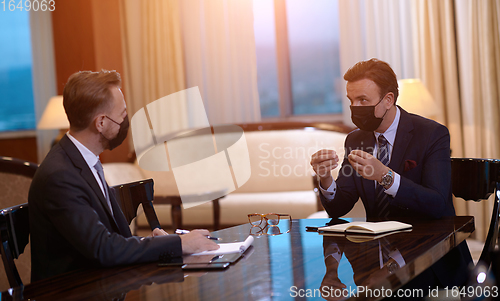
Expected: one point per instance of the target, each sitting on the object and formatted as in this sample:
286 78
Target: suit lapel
403 138
79 162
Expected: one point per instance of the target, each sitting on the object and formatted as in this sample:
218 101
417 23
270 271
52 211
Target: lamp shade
54 116
415 98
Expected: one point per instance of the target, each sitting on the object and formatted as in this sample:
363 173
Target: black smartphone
230 258
311 229
206 266
170 264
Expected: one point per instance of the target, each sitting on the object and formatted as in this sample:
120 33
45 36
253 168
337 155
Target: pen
180 231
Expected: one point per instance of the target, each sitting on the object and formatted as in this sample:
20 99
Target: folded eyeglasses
267 224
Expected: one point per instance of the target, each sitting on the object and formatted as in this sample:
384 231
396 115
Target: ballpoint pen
180 231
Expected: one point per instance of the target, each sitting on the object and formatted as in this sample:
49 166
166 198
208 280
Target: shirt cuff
334 251
393 190
329 193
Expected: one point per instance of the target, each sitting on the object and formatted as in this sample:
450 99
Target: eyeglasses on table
267 224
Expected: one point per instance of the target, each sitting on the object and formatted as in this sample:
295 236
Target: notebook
371 228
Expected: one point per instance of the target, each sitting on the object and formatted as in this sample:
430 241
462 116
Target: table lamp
415 98
54 117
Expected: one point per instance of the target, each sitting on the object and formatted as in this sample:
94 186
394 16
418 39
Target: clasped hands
365 164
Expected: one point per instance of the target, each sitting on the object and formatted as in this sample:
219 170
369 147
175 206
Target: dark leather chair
477 179
15 179
130 195
14 231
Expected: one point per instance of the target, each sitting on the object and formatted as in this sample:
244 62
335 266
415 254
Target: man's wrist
326 182
387 179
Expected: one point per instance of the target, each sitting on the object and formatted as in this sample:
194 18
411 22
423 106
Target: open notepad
228 248
372 228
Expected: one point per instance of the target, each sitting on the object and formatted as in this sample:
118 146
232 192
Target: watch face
387 179
392 267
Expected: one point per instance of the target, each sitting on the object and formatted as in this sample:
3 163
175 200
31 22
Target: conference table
293 265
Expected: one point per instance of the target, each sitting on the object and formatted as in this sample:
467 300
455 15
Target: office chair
130 195
14 232
15 179
477 179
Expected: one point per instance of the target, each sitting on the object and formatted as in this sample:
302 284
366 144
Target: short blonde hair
377 71
87 93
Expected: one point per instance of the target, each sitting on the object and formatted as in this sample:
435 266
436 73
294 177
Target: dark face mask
122 133
364 117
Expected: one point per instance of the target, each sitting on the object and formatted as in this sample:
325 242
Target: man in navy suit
75 221
397 163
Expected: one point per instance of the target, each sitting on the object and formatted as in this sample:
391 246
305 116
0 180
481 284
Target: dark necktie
100 172
382 199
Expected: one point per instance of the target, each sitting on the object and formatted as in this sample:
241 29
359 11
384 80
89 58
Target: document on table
228 248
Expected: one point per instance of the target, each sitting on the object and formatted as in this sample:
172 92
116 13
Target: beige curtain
153 56
478 24
171 45
220 59
44 75
435 61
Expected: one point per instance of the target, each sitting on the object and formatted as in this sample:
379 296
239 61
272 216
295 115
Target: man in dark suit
397 163
75 221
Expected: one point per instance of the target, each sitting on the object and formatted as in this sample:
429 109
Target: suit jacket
421 156
71 224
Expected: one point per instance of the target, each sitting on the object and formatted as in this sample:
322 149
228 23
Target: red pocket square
410 164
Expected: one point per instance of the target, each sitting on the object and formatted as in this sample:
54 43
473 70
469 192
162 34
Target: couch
281 179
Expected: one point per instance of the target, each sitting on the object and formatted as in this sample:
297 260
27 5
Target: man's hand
158 232
197 241
323 162
367 165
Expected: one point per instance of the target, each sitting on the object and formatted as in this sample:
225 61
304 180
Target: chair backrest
476 179
15 179
14 231
130 195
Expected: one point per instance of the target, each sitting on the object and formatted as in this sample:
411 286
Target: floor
475 247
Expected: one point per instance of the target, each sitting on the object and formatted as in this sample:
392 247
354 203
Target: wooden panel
107 35
21 148
73 39
87 37
108 55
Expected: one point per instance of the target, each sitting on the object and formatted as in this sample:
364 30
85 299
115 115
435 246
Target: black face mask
122 133
364 117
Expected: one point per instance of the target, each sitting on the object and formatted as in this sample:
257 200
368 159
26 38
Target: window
306 79
17 111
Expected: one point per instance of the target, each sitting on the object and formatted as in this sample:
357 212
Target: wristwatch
392 266
387 179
